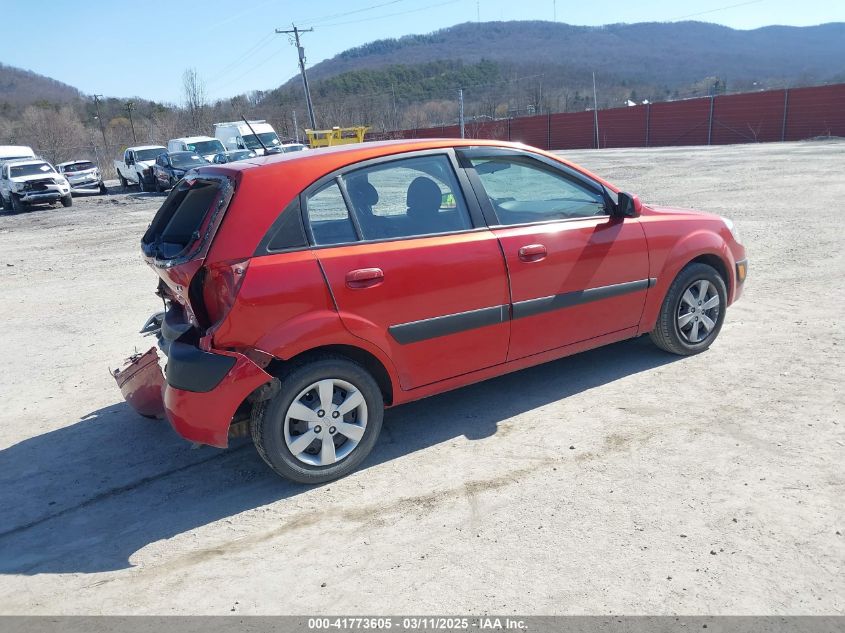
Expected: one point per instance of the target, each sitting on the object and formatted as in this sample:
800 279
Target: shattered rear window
188 218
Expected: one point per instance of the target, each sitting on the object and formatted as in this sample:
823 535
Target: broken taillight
220 285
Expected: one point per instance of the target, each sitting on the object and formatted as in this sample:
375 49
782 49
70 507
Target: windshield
293 147
268 138
80 166
36 169
187 160
206 147
240 155
149 154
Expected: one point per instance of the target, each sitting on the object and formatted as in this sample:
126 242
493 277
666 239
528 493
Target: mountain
19 87
668 53
524 67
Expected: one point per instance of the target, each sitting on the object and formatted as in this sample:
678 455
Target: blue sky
140 48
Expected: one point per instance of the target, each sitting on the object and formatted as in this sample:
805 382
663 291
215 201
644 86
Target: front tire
692 312
123 182
142 187
322 423
67 200
7 204
18 205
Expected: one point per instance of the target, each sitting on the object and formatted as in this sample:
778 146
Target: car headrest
423 195
362 192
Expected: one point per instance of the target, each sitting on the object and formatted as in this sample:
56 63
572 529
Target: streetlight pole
461 110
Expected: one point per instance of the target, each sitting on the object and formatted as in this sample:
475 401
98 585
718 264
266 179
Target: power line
244 57
732 6
340 15
391 15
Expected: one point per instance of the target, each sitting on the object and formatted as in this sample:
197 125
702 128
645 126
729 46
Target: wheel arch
366 359
715 262
700 247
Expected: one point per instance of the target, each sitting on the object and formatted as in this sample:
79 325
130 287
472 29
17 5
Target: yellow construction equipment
336 136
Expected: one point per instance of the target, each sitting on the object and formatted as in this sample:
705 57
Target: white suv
32 181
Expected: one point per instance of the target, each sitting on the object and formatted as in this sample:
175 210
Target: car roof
194 138
139 147
27 161
324 160
188 153
74 162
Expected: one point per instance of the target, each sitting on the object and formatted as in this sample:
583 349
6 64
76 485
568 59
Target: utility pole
301 53
295 127
554 10
461 110
129 106
596 111
100 121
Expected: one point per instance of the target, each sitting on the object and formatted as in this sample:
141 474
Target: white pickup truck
32 181
136 166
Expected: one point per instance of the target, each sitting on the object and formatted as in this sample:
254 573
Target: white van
237 135
205 146
15 152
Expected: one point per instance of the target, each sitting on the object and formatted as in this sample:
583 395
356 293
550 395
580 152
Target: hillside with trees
505 69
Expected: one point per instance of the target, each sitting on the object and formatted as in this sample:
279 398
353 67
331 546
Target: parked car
32 181
206 146
136 166
255 136
171 166
292 147
306 294
231 156
83 176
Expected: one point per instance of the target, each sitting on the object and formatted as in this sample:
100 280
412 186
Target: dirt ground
622 480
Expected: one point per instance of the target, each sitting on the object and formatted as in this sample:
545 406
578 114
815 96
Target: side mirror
629 205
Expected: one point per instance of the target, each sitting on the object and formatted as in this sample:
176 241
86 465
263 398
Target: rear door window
407 198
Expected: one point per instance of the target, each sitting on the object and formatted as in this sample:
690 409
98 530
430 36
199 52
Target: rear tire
692 312
67 201
317 398
123 182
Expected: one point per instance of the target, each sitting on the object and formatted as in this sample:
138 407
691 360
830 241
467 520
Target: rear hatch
178 240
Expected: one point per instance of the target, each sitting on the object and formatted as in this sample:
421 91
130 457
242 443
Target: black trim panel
531 307
191 369
417 331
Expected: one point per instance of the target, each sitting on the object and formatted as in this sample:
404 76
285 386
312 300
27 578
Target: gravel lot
622 480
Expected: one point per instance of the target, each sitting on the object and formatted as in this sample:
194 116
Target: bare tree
195 99
56 133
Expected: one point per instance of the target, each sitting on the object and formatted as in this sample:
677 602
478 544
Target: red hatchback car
306 292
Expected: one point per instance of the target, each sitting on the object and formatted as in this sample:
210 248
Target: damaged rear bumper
204 416
198 393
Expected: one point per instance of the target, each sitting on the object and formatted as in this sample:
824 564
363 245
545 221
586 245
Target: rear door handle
364 278
532 253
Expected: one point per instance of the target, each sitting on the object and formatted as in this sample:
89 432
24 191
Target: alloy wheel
698 311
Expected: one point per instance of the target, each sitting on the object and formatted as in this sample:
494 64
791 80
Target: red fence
776 115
